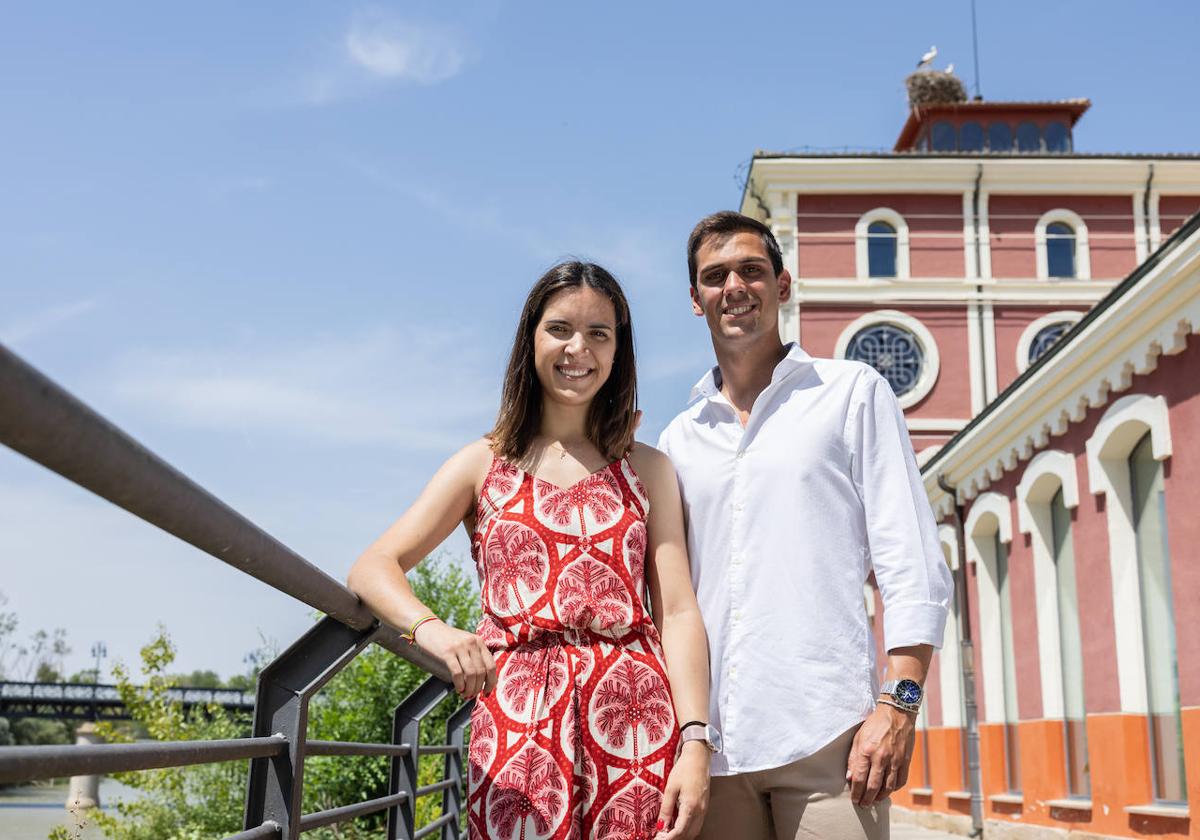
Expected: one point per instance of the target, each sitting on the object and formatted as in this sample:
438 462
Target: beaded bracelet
411 635
896 705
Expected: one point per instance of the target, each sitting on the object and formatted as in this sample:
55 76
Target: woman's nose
576 344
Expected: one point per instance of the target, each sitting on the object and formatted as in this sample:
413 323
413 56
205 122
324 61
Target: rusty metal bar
268 829
430 828
22 764
349 812
353 748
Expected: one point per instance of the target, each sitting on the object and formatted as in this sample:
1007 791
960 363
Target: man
798 481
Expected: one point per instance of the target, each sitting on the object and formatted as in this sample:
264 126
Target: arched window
1048 490
1000 137
970 137
1158 623
881 245
1012 749
882 249
1047 337
943 137
989 532
893 351
1057 138
1029 139
1071 644
1124 457
1061 240
1060 250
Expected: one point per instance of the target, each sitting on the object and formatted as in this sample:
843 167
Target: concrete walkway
908 831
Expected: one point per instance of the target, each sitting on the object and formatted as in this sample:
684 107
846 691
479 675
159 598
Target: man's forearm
909 663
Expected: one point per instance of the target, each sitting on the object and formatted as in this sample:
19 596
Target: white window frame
932 364
1083 259
861 258
1047 472
990 514
1031 331
1118 432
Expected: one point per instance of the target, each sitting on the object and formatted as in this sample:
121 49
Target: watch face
908 691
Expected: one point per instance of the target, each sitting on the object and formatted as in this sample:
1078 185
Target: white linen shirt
787 517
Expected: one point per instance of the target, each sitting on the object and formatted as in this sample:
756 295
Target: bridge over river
87 701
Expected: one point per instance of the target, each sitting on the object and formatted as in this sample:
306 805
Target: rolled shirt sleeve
904 551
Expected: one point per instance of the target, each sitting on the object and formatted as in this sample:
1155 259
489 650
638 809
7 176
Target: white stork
927 59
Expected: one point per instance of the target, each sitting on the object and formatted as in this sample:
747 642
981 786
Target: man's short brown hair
725 224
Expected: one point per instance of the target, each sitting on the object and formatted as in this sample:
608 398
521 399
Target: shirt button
741 454
738 506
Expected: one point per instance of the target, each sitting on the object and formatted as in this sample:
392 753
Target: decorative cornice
953 290
918 174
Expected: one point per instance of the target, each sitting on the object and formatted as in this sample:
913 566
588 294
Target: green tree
206 801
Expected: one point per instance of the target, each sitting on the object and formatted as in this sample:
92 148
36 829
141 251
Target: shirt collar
710 384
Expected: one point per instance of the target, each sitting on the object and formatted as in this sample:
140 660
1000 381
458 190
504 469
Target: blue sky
284 245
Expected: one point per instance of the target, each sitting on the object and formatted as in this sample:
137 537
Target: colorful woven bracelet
411 635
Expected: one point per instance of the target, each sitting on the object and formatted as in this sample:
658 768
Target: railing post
406 729
281 708
452 799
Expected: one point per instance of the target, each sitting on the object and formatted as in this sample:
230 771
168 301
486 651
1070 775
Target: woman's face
574 344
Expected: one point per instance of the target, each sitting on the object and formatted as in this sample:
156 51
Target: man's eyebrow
705 269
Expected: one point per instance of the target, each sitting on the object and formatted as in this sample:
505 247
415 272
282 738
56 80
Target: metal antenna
975 43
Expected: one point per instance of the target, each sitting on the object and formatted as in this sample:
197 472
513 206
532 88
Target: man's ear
785 286
696 307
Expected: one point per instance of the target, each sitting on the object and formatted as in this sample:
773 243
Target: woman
574 734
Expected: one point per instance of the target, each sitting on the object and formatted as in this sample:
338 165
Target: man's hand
880 754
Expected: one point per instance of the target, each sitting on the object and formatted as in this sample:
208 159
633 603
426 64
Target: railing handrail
47 424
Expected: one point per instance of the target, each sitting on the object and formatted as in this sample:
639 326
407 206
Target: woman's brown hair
611 416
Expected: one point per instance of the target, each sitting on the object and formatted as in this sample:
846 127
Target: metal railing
45 423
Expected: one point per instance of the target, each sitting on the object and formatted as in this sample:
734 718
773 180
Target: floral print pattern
578 737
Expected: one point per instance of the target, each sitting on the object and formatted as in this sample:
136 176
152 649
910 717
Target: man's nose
734 282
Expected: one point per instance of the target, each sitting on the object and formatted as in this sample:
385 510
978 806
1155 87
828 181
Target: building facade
1035 310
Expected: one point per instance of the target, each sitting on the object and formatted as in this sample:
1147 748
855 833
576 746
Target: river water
29 813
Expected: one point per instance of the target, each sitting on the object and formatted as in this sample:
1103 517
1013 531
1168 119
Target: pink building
1035 310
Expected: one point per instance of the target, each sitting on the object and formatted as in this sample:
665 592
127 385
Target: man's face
736 289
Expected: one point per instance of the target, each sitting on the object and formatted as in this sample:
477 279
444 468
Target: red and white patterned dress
578 737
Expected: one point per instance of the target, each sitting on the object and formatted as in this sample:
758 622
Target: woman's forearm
382 585
685 647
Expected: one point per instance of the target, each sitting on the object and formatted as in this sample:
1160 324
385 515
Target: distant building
1035 309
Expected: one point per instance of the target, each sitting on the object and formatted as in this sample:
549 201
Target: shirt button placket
737 582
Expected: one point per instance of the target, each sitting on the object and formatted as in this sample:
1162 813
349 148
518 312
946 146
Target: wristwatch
905 694
700 731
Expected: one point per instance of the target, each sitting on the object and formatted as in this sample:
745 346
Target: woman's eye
600 334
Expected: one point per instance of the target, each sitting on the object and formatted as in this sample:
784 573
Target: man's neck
746 371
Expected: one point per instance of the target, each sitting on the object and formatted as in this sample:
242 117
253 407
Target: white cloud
404 51
39 323
408 389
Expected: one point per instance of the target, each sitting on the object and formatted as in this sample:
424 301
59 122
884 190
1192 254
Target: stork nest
934 87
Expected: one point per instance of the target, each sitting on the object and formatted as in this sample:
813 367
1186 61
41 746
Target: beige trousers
805 800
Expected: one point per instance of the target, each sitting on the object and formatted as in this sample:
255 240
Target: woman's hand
686 796
471 665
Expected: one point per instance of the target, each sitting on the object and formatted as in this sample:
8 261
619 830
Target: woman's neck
565 424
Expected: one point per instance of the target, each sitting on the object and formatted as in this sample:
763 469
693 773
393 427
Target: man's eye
751 269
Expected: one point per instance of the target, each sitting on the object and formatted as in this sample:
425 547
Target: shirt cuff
913 623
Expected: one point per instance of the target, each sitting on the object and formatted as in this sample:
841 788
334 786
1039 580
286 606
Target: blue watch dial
908 691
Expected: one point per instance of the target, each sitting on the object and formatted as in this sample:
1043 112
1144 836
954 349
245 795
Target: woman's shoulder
649 462
471 462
